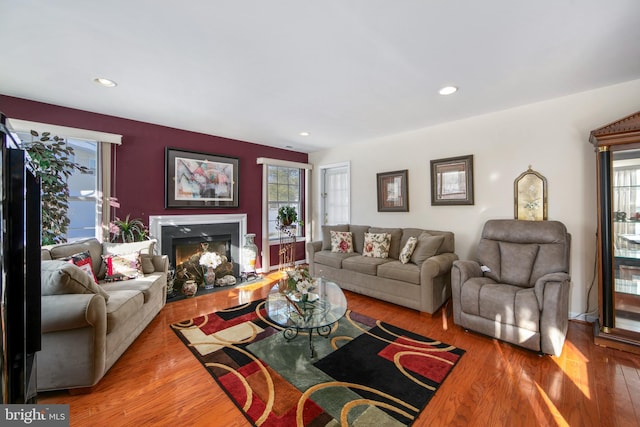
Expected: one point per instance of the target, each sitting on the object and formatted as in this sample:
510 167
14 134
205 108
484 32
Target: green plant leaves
52 164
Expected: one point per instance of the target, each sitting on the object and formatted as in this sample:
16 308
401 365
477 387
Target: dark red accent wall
139 168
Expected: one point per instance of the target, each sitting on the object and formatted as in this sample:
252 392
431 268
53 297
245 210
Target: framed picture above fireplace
198 180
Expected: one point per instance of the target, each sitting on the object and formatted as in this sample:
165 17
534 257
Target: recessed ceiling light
105 82
304 134
448 90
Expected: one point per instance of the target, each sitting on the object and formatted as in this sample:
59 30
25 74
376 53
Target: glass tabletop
326 305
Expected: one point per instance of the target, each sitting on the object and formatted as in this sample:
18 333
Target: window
83 190
90 194
283 189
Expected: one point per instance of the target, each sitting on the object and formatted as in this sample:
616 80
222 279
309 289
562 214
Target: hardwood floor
159 382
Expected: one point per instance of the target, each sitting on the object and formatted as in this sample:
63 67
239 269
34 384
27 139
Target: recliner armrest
540 284
467 269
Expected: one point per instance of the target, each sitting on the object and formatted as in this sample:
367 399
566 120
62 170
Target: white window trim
264 161
69 132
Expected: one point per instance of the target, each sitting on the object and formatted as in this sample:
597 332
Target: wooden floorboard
158 381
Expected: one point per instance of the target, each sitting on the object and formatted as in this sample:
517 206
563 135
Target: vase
189 288
210 278
249 256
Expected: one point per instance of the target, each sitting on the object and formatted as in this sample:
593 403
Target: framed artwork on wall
393 191
530 196
200 180
452 181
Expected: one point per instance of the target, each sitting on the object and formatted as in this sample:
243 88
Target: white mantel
156 222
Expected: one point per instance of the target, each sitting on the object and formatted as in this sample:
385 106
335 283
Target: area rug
366 373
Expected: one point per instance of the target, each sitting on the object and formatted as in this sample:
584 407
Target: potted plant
51 159
128 230
287 216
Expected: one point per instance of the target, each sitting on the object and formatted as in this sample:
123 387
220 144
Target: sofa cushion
341 241
376 245
396 270
426 247
516 261
396 237
61 277
121 306
448 244
143 284
407 250
363 264
68 249
326 234
332 259
408 233
357 231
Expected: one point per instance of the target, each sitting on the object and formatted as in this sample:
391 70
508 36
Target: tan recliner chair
518 290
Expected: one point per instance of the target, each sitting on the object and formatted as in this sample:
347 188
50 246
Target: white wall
551 136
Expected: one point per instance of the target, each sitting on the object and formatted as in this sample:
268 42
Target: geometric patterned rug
366 373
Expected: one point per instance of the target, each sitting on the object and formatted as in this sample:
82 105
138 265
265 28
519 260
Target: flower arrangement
210 259
300 283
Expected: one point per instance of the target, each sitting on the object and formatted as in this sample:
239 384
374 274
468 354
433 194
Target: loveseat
91 314
419 278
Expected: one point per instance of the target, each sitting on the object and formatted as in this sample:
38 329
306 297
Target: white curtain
626 194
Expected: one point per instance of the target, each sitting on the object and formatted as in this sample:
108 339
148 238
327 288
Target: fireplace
181 237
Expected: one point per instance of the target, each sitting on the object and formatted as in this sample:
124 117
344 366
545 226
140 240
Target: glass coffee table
325 306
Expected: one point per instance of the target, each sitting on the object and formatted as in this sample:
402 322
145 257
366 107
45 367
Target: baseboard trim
589 318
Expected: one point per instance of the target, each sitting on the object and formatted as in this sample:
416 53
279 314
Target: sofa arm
312 248
73 311
437 265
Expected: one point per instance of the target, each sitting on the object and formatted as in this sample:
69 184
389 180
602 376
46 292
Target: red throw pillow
83 261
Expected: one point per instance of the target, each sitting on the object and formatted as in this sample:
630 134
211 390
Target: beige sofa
423 283
86 326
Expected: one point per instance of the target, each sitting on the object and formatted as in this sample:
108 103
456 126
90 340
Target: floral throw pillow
376 245
122 267
341 241
407 251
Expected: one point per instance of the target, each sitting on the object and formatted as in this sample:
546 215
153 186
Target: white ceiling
343 70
